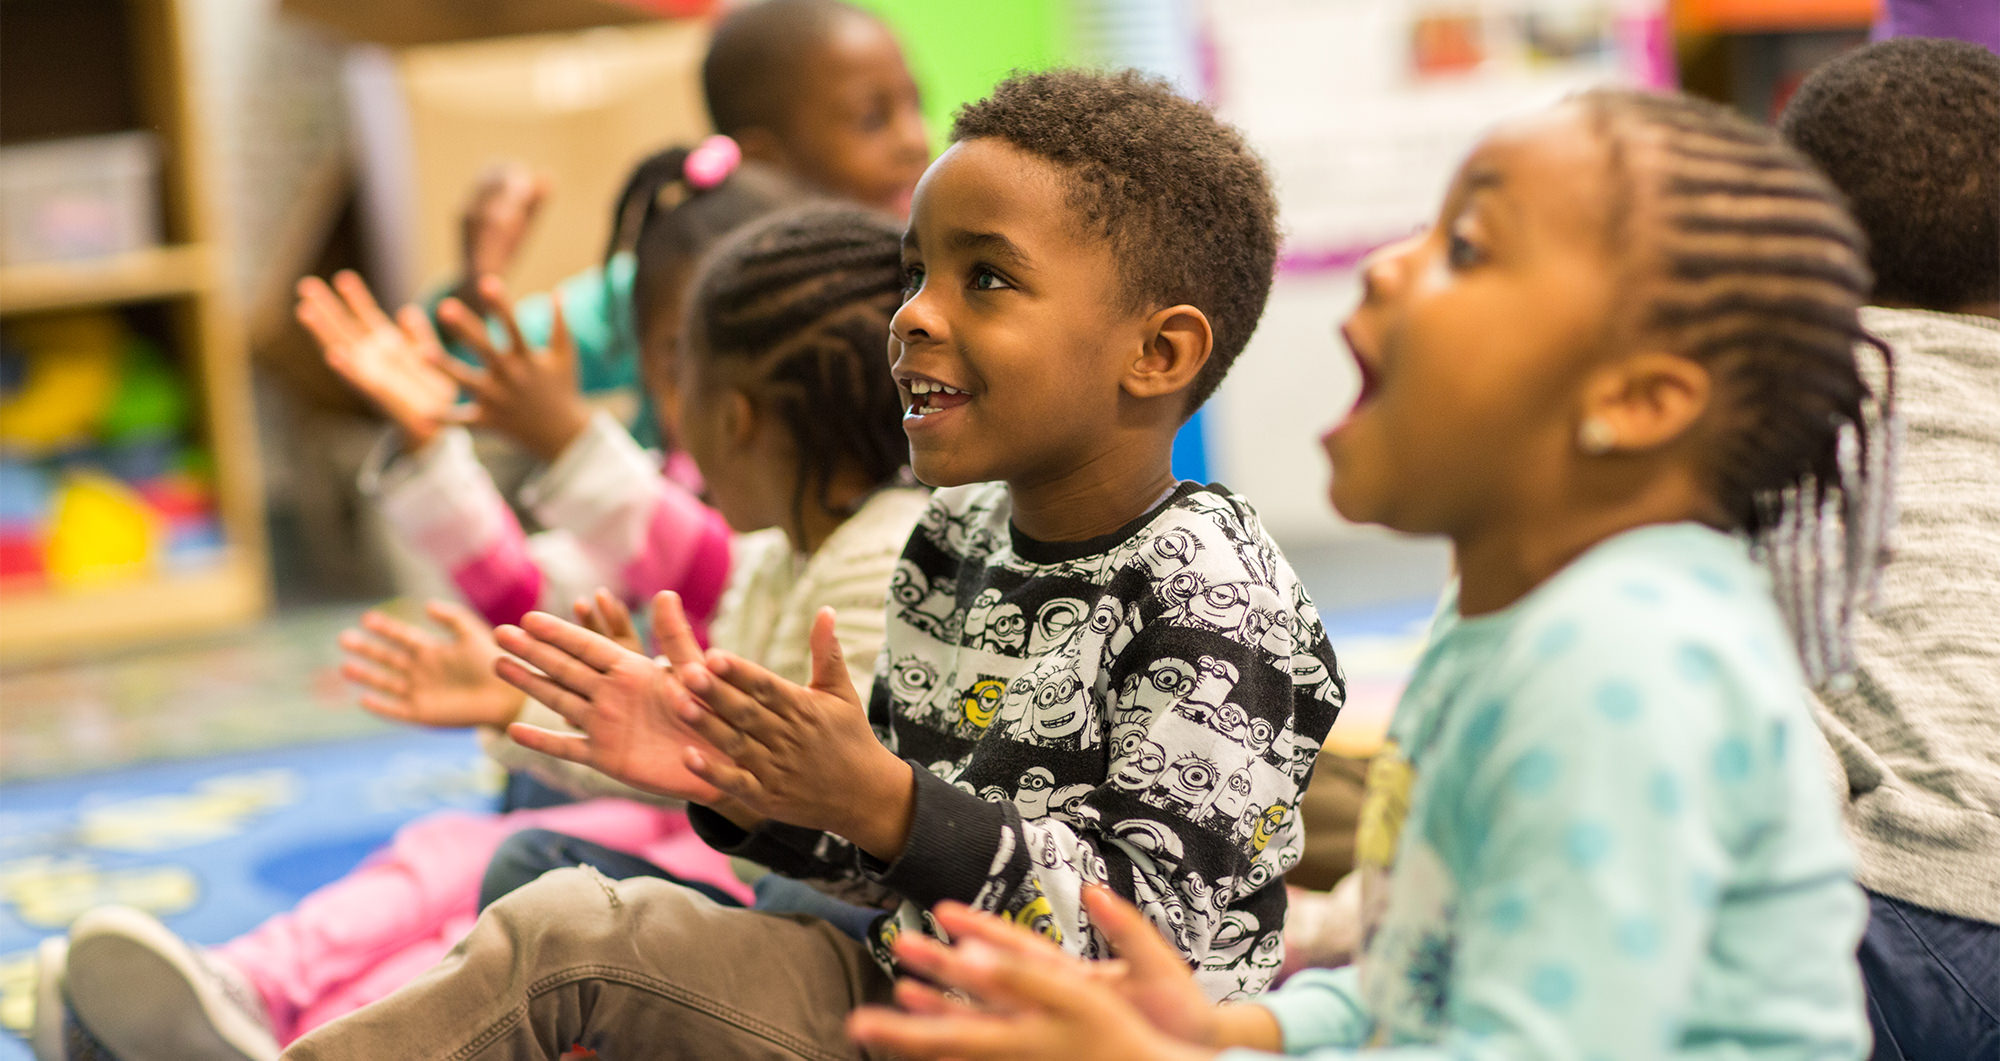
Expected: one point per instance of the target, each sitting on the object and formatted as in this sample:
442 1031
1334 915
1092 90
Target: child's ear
740 419
1647 400
762 145
1177 342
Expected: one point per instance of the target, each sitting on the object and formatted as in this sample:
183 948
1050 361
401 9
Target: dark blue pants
532 852
1933 983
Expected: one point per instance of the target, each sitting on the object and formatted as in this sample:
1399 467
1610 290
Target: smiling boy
1093 673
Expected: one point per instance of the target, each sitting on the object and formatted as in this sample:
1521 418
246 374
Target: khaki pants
638 968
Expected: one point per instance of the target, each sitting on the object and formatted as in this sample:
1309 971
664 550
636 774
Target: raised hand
804 755
628 707
495 221
396 364
411 675
1029 1000
604 614
529 395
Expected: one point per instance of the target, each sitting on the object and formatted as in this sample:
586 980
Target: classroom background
181 536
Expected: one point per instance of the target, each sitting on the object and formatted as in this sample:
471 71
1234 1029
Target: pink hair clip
710 162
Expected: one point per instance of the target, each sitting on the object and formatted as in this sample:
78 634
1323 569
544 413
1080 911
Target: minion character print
981 702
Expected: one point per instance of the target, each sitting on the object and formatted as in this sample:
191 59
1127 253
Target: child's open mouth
929 397
1370 381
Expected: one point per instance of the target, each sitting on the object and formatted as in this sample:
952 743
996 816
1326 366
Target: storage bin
80 198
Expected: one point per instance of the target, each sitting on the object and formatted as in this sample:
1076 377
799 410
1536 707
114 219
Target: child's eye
987 280
913 281
1461 253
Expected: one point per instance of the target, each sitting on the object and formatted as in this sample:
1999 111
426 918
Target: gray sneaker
148 995
45 1034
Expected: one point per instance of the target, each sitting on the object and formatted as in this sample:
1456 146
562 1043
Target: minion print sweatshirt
1140 710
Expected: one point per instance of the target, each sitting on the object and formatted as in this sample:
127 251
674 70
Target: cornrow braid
804 299
1750 264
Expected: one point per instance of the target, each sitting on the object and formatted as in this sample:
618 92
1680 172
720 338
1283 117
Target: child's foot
148 995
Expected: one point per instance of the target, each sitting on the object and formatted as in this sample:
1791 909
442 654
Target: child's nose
1384 266
914 321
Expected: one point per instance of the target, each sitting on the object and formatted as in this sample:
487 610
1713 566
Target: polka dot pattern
1534 772
1587 844
1732 760
1619 700
1552 985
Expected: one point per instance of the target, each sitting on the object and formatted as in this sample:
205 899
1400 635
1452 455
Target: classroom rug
212 846
215 844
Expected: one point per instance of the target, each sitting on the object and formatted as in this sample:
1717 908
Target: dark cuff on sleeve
954 836
785 848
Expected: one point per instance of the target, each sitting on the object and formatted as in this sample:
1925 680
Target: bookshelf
83 67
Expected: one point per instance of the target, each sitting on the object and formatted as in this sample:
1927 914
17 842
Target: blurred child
1619 366
613 519
783 400
816 89
1909 131
1093 673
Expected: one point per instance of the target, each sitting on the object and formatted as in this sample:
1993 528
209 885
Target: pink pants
367 934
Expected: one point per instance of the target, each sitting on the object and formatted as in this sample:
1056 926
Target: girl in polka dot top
1619 373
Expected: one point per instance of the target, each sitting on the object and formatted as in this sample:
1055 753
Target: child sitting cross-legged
1093 674
780 394
1619 366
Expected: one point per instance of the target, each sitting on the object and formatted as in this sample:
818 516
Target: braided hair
803 300
670 223
1745 260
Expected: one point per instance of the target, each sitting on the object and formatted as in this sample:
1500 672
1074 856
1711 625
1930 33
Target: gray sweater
1918 736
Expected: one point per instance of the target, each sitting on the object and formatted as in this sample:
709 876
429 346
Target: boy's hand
494 223
1034 1000
628 707
413 676
529 395
804 755
395 364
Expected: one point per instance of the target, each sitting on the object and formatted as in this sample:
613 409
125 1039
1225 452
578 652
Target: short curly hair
1184 201
1909 130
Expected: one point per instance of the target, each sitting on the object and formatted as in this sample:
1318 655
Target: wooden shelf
163 272
45 624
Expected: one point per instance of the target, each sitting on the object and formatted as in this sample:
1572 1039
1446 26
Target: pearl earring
1595 437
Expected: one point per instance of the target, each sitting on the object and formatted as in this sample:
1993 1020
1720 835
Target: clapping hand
414 676
627 706
1030 999
529 395
397 364
800 754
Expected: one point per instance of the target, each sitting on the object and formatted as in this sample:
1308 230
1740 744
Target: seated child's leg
530 853
555 965
318 953
1933 982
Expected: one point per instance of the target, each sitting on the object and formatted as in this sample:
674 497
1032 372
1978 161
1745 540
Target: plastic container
80 198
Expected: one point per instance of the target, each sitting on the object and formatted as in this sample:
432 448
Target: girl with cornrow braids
774 382
1620 374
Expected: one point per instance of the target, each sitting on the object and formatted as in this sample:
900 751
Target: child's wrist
884 804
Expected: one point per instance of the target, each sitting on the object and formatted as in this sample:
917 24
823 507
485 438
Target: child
1092 674
1909 131
614 520
783 396
816 89
1600 828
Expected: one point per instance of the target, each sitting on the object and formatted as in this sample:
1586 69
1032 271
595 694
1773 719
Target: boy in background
1909 131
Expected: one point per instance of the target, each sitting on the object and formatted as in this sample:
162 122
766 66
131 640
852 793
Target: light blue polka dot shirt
1601 831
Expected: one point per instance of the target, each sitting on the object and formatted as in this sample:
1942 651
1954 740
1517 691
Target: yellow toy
102 532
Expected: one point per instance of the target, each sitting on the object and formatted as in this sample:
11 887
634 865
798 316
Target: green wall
958 50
